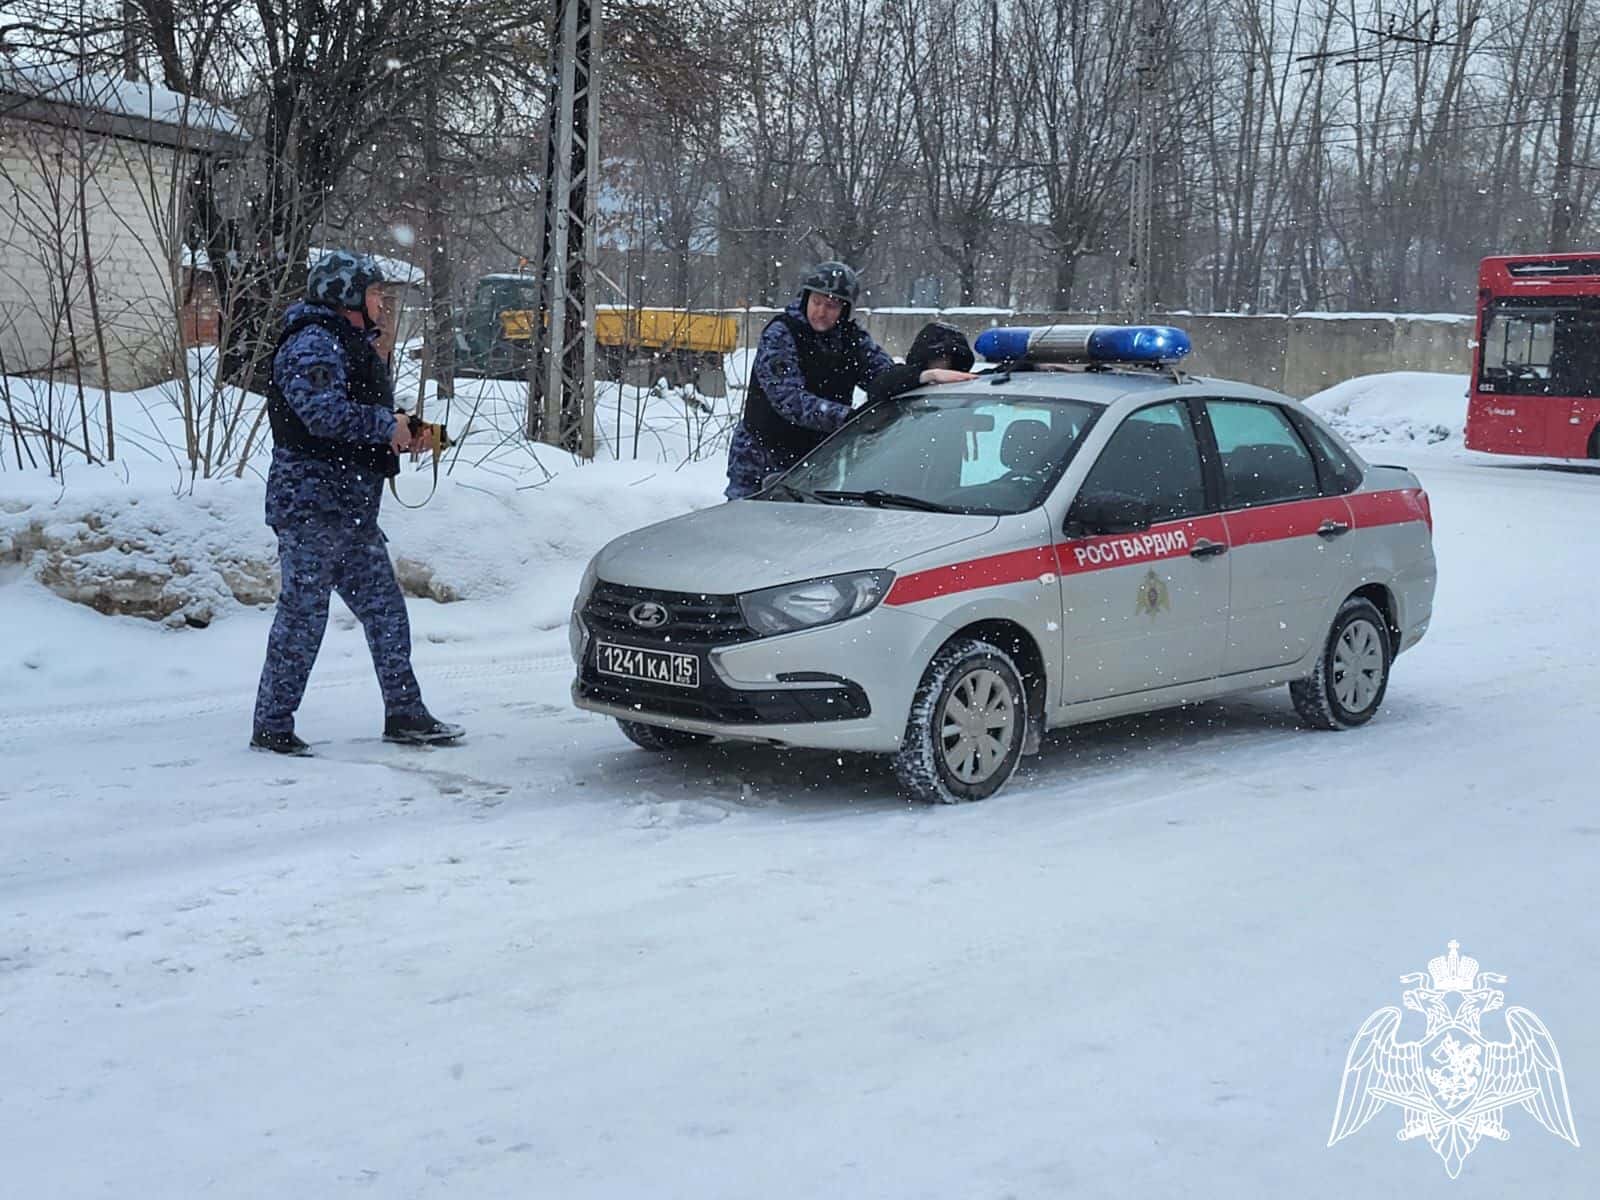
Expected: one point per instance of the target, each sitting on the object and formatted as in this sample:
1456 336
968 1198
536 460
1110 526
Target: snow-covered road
546 964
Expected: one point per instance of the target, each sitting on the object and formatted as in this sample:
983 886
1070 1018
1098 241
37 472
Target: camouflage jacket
310 370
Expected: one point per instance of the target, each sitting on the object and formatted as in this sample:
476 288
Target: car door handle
1332 529
1208 549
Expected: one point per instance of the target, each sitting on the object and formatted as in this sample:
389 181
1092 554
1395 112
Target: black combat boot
424 730
279 741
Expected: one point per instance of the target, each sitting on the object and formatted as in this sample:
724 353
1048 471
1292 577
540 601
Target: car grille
729 706
696 618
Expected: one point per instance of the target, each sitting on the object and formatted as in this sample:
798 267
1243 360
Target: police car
1081 532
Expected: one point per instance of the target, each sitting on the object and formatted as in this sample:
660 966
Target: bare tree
1074 77
764 176
854 92
968 134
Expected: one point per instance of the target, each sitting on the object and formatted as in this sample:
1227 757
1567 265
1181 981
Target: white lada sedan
962 567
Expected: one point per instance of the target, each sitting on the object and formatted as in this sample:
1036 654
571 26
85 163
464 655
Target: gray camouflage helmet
833 279
341 278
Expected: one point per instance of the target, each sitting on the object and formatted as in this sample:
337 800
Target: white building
91 175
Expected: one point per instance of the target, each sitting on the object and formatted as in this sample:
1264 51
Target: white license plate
648 666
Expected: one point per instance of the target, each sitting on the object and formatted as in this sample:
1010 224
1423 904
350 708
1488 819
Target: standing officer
811 358
336 438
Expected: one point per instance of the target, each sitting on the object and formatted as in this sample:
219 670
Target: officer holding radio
336 438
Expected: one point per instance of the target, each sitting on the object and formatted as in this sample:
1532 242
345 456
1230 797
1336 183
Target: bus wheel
1594 443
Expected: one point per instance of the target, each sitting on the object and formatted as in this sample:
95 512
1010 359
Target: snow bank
136 546
143 538
1397 407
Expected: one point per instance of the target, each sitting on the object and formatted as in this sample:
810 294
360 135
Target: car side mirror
1107 513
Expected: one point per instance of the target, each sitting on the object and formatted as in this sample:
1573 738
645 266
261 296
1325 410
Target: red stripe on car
1274 522
1244 527
1390 508
1167 540
992 571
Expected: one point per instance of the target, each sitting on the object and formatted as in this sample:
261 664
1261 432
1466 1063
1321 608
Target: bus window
1533 349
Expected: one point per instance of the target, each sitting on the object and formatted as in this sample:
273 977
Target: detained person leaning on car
811 358
940 353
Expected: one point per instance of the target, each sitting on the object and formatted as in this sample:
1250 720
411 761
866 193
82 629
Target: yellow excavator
635 345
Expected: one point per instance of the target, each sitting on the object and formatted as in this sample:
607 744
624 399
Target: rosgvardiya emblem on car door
1453 1085
1153 595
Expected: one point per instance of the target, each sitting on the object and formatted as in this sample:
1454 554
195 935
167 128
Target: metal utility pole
561 366
1136 287
1561 208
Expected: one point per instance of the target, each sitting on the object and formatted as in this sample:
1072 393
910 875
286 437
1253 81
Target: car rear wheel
968 722
658 738
1353 672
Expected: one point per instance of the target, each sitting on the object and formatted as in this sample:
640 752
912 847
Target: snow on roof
1461 318
60 84
1309 315
395 270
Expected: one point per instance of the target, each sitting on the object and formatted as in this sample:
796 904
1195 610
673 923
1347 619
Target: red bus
1536 367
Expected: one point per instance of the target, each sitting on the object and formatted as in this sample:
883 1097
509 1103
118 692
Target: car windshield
1543 348
945 452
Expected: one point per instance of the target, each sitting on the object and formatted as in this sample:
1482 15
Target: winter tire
969 720
1352 673
658 739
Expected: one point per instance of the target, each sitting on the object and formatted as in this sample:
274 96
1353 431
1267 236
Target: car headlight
814 602
586 586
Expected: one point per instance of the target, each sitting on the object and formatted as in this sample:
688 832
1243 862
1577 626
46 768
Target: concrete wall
42 253
1298 355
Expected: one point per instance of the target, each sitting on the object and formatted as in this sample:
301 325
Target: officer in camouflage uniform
336 438
810 360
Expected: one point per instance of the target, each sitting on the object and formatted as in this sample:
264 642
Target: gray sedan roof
1100 386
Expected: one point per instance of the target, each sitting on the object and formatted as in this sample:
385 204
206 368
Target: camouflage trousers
317 560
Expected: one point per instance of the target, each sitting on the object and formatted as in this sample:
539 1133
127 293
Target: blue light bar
1149 344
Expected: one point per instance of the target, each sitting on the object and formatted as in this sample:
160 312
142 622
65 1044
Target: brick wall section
43 274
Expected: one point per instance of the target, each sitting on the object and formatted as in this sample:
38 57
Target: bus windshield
1542 348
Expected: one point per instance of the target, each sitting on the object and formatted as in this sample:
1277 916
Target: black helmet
341 278
832 279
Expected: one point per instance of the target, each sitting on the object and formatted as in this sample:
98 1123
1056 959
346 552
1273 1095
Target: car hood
751 544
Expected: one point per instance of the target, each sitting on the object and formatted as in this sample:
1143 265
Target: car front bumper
844 686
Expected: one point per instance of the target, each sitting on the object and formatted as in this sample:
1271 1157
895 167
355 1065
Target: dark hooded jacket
934 341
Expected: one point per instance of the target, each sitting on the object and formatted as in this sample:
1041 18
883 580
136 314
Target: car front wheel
967 726
1353 672
658 738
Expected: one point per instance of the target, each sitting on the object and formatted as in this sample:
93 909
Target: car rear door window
1339 473
1263 459
1153 456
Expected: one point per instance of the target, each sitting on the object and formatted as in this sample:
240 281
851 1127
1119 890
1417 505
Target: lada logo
649 615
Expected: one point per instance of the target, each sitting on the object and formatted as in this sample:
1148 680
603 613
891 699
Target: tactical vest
368 383
831 374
